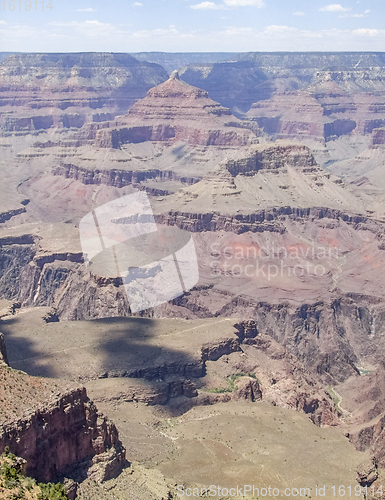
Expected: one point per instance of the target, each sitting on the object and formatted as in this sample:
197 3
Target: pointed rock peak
175 87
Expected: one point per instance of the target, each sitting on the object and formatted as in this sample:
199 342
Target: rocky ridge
282 175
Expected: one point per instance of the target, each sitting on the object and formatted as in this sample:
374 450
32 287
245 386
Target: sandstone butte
175 111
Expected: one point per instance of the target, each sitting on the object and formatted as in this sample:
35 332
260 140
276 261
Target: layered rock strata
67 431
40 91
378 137
256 76
173 111
319 114
55 430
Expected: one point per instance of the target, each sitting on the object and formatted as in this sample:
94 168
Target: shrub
50 491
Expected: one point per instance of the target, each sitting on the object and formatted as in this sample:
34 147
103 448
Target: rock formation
175 111
319 113
256 76
56 430
3 351
269 175
284 245
145 369
66 432
378 136
318 96
40 91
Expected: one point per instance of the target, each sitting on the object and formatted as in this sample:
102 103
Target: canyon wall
40 91
3 351
66 431
327 336
378 136
256 76
298 95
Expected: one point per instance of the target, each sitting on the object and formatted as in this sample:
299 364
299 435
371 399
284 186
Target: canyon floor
227 444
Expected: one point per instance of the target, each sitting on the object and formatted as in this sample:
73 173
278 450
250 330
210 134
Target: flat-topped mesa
176 111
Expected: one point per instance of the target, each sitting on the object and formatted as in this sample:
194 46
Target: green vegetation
364 372
231 380
51 491
335 398
14 485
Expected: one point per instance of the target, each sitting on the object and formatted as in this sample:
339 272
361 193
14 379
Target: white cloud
235 31
138 4
298 13
244 3
356 15
274 28
2 22
228 4
89 36
91 29
368 32
335 7
206 6
90 9
170 33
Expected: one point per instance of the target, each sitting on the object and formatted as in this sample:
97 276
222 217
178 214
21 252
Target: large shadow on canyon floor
157 353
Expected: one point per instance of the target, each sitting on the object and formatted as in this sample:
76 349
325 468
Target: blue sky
192 25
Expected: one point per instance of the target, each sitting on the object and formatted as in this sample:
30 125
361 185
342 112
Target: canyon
273 165
40 91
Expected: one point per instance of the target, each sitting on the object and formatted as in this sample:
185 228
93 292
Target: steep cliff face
14 123
378 136
371 438
58 431
119 178
328 336
315 113
3 351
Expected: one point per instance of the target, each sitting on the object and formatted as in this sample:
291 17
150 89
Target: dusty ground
226 444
